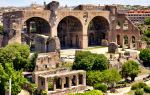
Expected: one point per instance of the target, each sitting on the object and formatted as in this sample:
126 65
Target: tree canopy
84 60
17 78
130 69
16 53
147 21
145 56
146 36
93 77
110 76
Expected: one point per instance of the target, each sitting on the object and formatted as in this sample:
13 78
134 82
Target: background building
138 16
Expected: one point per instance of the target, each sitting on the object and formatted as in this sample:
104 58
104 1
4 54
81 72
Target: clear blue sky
73 2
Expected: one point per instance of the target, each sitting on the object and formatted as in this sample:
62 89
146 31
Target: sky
5 3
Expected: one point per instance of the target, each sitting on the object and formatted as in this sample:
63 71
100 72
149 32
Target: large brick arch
38 18
24 20
97 30
73 17
69 31
106 19
41 14
77 14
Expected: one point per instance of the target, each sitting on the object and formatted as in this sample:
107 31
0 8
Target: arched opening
118 39
133 41
58 83
97 30
126 41
80 79
69 31
33 26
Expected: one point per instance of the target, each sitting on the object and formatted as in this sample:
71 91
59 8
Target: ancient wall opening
118 40
33 26
97 30
126 42
69 31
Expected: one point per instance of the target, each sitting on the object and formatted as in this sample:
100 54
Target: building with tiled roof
138 16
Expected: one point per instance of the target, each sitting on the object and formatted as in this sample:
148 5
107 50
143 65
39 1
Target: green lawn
144 71
94 47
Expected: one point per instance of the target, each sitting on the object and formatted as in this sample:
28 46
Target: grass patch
94 47
131 92
67 64
144 71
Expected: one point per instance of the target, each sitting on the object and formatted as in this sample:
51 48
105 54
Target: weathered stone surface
104 42
141 45
112 47
53 44
47 61
45 44
52 16
41 43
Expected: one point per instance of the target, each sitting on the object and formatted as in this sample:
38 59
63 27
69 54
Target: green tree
78 57
17 54
130 69
145 56
146 36
88 61
93 78
30 66
147 21
100 62
17 78
32 87
110 76
44 92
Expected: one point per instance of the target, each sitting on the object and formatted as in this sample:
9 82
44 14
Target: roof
138 11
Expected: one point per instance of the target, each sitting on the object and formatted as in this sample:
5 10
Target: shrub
138 86
44 92
130 69
147 89
93 77
85 60
139 92
145 56
142 85
93 92
50 86
147 21
32 87
101 87
134 86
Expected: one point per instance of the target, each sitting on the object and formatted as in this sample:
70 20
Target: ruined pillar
54 85
77 80
122 40
130 42
62 82
46 84
70 81
84 79
84 38
53 31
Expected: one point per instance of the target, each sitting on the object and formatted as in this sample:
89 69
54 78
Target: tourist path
123 91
